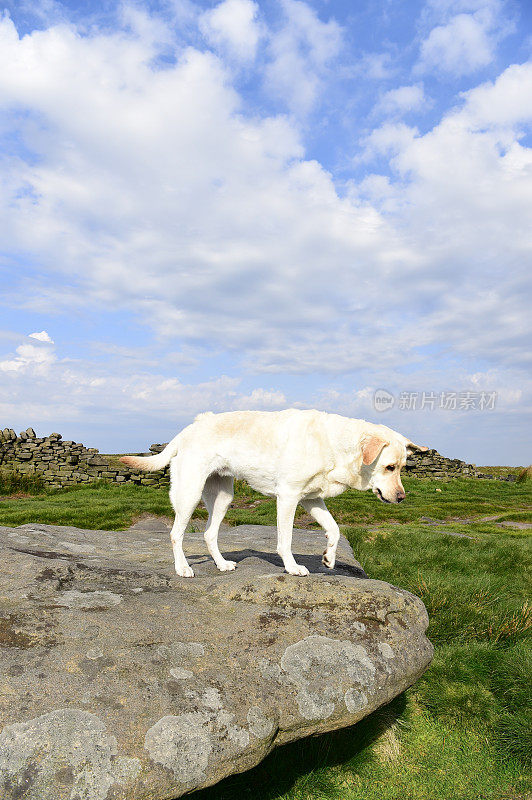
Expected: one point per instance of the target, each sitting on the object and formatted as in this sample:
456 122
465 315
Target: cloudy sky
238 204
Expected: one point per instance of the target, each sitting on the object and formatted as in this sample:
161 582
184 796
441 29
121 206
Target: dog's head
383 457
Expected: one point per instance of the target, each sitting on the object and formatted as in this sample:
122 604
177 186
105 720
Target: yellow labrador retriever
293 455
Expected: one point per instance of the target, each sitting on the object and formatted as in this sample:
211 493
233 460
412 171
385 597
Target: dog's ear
415 448
371 447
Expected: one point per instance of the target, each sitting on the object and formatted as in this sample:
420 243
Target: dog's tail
152 463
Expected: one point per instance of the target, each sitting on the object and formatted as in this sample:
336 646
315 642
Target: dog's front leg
323 517
286 509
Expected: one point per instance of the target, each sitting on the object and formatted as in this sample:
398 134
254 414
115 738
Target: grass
13 483
502 471
463 731
516 516
100 505
110 506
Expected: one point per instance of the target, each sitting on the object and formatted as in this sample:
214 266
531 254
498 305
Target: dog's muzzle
399 497
380 495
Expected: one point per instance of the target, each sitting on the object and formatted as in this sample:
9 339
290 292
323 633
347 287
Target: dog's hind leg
217 495
322 515
185 494
286 508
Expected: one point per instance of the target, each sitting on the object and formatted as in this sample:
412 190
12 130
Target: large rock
121 681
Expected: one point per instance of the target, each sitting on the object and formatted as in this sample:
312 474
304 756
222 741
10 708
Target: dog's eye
390 467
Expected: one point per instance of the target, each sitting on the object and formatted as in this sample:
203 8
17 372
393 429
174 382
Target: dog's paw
185 572
328 561
226 566
298 569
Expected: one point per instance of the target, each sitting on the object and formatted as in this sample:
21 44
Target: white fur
295 456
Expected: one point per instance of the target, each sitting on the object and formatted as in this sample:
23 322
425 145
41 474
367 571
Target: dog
295 456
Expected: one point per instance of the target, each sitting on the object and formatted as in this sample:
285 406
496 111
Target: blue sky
238 204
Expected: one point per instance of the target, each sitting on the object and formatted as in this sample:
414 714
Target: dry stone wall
60 462
433 465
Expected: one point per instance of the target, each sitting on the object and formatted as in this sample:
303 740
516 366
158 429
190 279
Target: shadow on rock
312 562
312 757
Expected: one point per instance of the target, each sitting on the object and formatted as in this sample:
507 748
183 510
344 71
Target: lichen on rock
320 667
67 752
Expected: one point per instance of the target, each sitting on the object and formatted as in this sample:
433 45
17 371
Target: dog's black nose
401 496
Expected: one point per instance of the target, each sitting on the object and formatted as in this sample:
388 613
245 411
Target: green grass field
463 732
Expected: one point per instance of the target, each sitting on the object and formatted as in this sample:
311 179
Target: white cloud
300 53
389 139
377 66
232 25
35 380
443 10
464 191
463 45
505 102
42 337
261 400
31 358
174 196
403 99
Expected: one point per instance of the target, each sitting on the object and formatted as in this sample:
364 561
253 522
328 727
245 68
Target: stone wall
60 463
64 463
433 465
